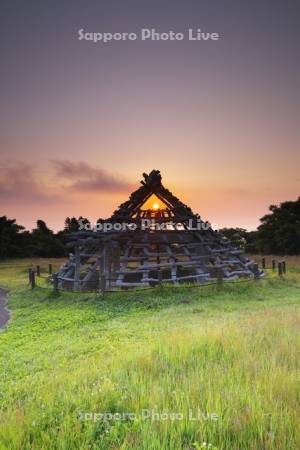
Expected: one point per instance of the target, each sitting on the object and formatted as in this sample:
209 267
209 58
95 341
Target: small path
4 314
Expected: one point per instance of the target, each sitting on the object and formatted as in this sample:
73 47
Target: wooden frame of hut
165 243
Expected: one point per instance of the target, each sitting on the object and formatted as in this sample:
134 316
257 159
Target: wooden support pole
256 271
159 273
273 264
280 269
263 263
38 270
55 282
50 269
77 268
29 275
219 276
108 269
159 276
102 272
283 263
32 279
116 263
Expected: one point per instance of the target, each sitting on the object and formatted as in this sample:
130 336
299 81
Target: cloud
19 183
25 184
83 177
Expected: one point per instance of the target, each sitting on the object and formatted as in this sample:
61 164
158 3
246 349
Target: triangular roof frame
152 185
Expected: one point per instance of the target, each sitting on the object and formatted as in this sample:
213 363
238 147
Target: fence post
273 264
50 269
280 269
55 282
263 263
29 275
32 279
256 271
38 270
283 267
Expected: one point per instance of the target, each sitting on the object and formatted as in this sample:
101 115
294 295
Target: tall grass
191 366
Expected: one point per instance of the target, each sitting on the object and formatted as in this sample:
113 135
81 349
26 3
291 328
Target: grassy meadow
172 368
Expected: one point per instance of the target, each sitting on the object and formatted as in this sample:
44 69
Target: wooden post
116 259
77 267
263 263
50 269
273 264
55 282
38 270
280 268
283 267
102 271
219 276
29 275
108 268
32 279
159 276
115 263
256 271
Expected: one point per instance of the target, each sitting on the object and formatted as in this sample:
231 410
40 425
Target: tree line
278 233
17 242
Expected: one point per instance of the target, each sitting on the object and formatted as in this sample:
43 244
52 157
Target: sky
81 121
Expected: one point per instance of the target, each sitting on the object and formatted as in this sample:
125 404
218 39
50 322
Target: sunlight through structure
148 242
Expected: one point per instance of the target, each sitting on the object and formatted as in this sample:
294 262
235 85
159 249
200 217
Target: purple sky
80 122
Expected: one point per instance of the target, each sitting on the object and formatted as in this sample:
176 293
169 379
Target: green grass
232 351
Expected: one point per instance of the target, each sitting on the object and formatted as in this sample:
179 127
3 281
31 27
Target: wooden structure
164 243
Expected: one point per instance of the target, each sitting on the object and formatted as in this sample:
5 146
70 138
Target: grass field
172 368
